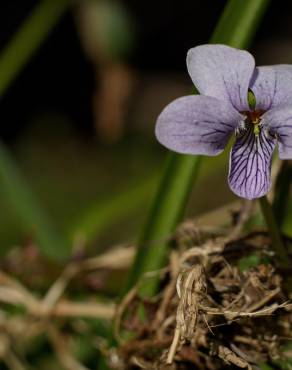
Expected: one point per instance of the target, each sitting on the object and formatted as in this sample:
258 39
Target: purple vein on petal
250 164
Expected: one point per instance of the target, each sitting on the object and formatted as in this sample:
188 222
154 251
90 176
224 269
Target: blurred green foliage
28 39
15 190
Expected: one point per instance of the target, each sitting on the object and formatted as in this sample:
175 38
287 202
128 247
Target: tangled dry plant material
26 316
221 303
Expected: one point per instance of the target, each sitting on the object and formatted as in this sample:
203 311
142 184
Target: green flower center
253 116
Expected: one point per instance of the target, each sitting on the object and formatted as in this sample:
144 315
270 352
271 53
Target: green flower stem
277 242
236 28
166 212
282 194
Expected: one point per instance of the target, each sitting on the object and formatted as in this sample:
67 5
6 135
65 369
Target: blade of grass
236 27
28 38
239 22
19 195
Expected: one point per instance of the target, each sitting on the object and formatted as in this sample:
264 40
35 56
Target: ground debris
221 304
230 357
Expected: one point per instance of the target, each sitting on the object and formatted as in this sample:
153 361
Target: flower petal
222 72
250 164
196 124
279 122
272 86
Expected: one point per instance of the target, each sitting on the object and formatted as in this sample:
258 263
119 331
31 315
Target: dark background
61 78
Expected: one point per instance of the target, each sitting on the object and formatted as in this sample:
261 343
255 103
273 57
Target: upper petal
222 72
279 122
272 86
250 164
196 124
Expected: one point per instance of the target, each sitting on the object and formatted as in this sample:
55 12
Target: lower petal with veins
250 163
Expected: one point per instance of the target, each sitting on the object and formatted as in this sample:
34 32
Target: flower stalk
278 246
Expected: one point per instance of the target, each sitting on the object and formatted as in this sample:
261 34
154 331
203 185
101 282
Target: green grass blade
239 22
15 190
28 38
236 27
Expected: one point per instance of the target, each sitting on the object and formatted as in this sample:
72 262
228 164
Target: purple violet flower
203 124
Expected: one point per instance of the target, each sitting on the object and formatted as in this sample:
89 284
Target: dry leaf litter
222 304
